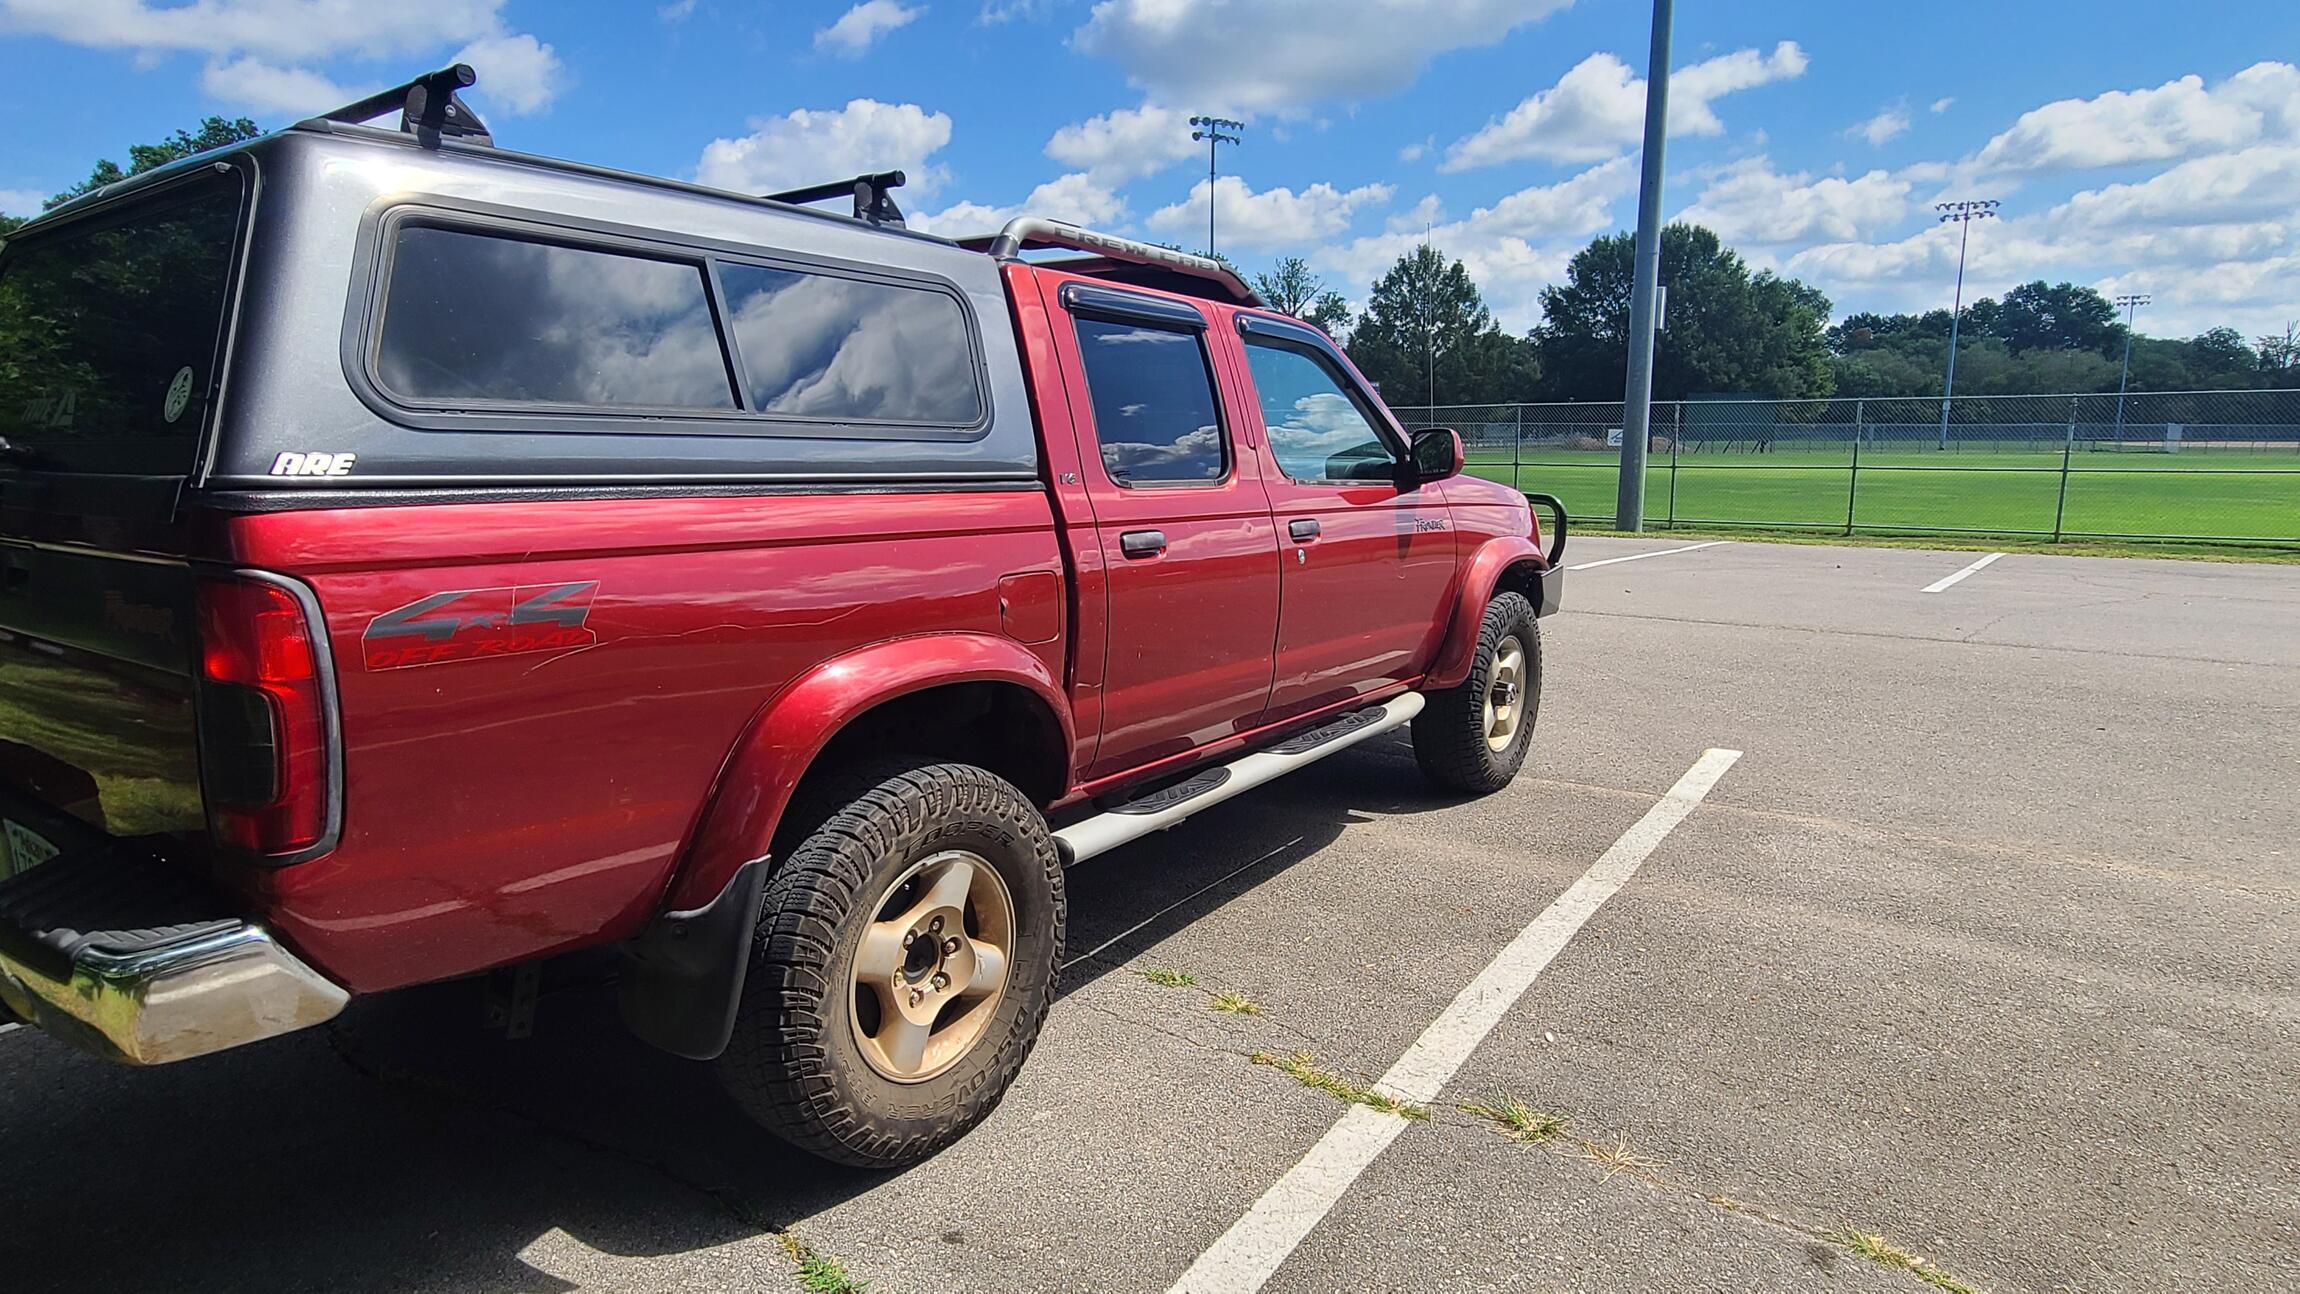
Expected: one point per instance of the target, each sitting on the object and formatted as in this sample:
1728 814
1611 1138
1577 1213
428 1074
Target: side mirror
1437 454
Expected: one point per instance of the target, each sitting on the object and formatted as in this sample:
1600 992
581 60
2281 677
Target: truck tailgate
96 686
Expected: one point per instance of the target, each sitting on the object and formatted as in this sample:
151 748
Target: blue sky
2136 146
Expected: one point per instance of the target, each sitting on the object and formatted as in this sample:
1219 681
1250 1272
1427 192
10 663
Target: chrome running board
1138 818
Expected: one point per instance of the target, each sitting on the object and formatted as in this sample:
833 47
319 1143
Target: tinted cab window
1318 430
1154 409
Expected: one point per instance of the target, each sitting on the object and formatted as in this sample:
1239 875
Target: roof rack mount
429 107
871 192
1026 232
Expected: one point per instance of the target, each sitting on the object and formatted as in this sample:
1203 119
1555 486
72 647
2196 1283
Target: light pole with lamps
2132 302
1963 214
1214 131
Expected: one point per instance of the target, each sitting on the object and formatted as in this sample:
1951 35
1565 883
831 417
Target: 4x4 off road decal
475 624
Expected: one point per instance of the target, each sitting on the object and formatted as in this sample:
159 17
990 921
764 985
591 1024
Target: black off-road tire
794 1063
1450 734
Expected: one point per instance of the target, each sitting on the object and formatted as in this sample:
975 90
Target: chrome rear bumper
205 991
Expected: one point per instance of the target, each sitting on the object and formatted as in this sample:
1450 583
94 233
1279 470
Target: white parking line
1250 1252
1659 552
1943 583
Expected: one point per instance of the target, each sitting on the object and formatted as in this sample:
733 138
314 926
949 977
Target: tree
214 132
1726 330
2062 316
1291 287
1426 335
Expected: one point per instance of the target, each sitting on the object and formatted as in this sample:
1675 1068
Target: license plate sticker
26 850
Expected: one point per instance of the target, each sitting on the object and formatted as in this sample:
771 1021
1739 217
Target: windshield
109 329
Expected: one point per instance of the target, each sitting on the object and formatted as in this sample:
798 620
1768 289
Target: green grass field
2230 496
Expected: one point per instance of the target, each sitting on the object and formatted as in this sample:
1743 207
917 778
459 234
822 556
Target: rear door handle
1304 530
1142 543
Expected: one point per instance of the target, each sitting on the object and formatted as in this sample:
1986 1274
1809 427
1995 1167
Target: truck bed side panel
538 696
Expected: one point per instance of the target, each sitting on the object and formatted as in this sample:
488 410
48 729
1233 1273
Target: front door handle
1142 543
1304 530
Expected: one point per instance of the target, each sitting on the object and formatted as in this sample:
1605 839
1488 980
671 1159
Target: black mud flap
683 976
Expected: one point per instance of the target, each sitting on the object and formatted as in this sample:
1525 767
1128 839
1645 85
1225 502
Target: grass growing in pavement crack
1520 1122
1164 978
1235 1004
1305 1069
1621 1157
1883 1252
819 1273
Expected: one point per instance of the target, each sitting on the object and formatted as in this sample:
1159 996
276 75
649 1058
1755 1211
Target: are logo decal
291 463
478 624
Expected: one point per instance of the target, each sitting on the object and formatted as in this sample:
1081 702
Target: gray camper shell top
411 317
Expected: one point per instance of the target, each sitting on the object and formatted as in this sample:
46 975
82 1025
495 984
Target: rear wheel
1473 738
903 963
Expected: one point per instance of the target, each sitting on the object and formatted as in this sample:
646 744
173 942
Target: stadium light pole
1215 132
1637 395
2132 302
1963 214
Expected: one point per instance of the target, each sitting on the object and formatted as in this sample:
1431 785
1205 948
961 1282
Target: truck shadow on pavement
409 1147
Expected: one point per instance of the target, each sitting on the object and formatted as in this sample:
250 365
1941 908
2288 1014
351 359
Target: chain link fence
2219 466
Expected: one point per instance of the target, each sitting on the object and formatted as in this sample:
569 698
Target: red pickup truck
419 558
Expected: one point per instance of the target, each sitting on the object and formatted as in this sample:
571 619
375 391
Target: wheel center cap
921 958
1503 694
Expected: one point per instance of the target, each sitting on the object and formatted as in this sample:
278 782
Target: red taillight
263 719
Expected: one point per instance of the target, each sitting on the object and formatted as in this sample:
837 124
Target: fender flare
755 784
1480 576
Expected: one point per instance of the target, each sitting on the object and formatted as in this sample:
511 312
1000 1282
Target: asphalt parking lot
1989 943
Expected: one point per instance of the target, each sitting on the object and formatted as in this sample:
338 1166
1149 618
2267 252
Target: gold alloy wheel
1505 693
931 968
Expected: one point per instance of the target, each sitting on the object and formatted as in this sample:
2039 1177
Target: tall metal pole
1964 214
1212 130
1637 393
2131 303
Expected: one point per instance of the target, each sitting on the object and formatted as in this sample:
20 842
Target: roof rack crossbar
429 106
1024 232
871 193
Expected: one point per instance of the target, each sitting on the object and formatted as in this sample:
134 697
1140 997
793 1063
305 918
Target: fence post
1676 438
1516 451
1853 483
2060 506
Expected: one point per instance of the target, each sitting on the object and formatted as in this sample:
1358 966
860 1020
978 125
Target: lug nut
941 981
935 925
917 996
950 946
909 937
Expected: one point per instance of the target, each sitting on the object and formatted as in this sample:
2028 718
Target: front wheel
903 963
1473 738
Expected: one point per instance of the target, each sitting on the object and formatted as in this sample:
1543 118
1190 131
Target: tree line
1426 336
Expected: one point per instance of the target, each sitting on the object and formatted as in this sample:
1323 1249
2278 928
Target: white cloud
1887 124
1003 11
518 74
1078 198
2213 238
1512 248
1422 215
290 91
260 52
1285 54
809 146
1943 103
1597 108
677 11
21 202
1272 220
1418 151
1749 202
281 30
2181 118
860 27
1126 143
